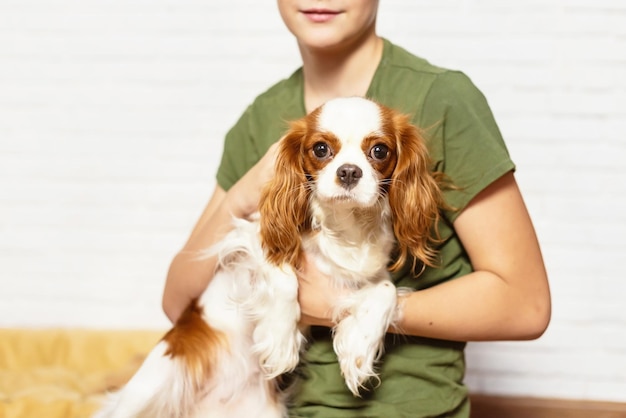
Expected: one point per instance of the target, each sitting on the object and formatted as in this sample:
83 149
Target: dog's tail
170 381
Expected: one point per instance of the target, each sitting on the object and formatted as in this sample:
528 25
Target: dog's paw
357 350
359 337
276 339
278 349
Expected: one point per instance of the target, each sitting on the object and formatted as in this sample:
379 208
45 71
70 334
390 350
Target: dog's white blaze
350 118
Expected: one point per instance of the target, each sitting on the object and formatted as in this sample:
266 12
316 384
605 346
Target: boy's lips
320 15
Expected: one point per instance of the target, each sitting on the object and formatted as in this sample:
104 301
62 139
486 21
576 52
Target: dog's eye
379 152
321 150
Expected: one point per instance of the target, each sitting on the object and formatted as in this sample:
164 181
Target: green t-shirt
419 377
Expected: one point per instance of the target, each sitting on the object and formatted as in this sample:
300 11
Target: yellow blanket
65 373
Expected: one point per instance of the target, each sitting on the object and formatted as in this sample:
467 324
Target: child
491 282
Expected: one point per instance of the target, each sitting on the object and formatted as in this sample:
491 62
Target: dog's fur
351 186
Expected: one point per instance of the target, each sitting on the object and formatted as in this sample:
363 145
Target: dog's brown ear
415 197
284 201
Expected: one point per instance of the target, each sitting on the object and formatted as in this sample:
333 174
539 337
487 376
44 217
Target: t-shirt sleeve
239 153
469 146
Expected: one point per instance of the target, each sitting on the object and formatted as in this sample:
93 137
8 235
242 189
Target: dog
351 188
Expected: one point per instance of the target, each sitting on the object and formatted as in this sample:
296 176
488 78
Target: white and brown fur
351 186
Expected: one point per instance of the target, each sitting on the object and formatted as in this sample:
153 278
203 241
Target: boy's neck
340 73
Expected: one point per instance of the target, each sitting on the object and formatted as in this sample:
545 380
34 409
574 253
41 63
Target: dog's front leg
276 336
365 315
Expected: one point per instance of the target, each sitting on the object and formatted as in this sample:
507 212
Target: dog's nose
349 175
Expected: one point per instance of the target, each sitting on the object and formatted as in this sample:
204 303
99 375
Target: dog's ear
284 201
415 197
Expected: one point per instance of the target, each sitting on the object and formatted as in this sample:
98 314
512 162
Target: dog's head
351 153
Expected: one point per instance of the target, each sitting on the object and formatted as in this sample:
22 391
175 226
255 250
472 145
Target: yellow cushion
66 373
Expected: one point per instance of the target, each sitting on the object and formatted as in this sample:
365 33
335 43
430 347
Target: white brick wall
112 115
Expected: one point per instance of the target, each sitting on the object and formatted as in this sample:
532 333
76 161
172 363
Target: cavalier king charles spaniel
352 190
